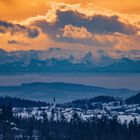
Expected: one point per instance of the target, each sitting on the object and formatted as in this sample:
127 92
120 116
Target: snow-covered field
124 112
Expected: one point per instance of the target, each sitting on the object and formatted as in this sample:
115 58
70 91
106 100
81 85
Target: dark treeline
17 102
18 128
134 99
88 103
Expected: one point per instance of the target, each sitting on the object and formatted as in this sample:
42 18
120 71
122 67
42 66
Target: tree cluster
18 128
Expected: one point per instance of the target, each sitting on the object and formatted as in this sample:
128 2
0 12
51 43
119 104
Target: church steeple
54 103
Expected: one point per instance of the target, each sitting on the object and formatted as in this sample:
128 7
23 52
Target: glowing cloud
79 24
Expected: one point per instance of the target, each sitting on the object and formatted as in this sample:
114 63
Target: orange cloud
71 31
111 29
18 10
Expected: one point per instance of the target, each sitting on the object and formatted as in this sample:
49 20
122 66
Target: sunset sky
73 24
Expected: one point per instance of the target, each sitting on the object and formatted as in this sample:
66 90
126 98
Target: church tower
54 103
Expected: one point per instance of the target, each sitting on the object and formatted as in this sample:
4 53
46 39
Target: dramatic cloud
99 24
19 9
14 29
76 32
97 30
69 24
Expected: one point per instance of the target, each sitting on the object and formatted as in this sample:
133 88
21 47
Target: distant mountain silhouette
63 92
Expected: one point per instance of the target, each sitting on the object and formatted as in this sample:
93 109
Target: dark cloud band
96 24
17 28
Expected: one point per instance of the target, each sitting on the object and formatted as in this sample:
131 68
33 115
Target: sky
109 25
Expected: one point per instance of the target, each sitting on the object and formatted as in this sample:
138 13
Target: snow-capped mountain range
69 60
